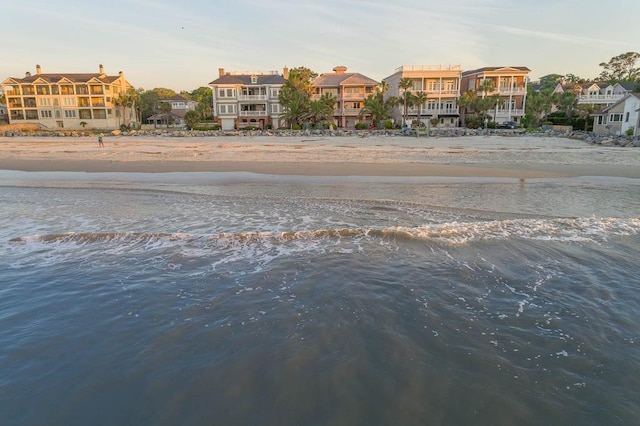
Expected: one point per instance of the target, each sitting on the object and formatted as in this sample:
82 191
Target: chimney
38 70
341 69
101 69
220 72
285 73
27 74
121 74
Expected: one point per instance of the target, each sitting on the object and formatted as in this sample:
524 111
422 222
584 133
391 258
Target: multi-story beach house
350 89
247 99
66 100
441 83
510 83
620 117
597 93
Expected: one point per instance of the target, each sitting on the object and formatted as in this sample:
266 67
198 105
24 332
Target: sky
180 45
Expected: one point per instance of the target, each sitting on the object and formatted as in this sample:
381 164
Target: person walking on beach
100 143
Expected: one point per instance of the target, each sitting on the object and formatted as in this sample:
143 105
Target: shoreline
521 157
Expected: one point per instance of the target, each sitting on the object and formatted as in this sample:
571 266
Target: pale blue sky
181 44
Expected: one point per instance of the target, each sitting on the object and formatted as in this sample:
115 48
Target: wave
565 229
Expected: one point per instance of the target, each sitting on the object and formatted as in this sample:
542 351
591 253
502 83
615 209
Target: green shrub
361 126
491 125
629 131
296 127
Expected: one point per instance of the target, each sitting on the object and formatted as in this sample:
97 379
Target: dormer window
254 79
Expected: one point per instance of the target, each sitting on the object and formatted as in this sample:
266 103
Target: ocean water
204 298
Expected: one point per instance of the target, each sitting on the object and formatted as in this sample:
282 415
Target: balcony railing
426 111
253 113
505 91
600 99
252 97
506 113
443 92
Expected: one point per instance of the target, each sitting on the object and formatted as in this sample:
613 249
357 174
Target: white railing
511 91
252 97
425 111
599 99
253 113
443 92
429 68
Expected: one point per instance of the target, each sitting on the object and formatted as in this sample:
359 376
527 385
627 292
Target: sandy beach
482 156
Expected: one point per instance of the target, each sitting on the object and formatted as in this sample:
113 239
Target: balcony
510 91
433 92
253 97
600 99
253 113
433 111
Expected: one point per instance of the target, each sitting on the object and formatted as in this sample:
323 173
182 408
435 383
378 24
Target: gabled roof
620 101
333 79
54 78
245 79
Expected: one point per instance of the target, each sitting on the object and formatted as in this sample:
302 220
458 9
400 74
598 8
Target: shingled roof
342 78
54 78
245 79
485 69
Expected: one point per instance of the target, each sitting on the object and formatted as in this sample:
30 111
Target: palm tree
486 86
585 111
295 106
420 99
405 84
466 101
321 110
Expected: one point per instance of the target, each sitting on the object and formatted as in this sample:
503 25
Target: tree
204 97
191 118
486 86
295 106
321 110
126 103
574 79
295 96
539 104
551 81
467 102
419 99
405 84
585 111
621 68
378 108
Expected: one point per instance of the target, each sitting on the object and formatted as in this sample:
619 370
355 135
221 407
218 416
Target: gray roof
245 79
343 79
73 77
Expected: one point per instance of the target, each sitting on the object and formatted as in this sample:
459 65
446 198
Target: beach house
171 111
620 117
441 83
508 83
67 100
350 89
247 99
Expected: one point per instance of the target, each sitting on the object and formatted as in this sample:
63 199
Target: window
626 118
275 108
99 114
275 93
46 113
227 109
254 79
31 114
601 120
615 117
84 114
58 113
69 113
60 124
68 101
44 101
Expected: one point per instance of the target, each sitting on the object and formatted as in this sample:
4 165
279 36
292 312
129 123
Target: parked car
508 125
